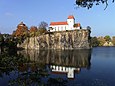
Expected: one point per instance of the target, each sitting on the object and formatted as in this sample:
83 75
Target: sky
32 12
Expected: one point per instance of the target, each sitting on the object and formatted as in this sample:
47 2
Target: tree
113 40
101 41
1 42
1 39
33 30
21 30
88 27
14 33
94 42
42 27
89 3
107 38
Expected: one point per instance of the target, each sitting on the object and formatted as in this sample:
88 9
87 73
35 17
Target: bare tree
43 25
42 28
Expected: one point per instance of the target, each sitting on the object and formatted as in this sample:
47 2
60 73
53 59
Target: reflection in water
58 68
36 68
62 69
61 62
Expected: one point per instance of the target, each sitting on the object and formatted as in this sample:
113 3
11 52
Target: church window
65 27
55 28
58 28
61 28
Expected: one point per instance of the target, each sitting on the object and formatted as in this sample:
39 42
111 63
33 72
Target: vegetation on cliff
22 32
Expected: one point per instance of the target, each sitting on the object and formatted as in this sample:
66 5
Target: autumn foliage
33 29
21 30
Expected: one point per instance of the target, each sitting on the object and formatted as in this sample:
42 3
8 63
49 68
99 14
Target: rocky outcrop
77 39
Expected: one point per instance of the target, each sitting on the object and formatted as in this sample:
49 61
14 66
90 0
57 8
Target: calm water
94 67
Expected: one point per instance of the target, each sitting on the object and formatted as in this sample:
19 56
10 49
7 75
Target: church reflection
61 70
68 62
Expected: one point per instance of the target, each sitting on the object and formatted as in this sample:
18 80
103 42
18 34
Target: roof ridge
59 23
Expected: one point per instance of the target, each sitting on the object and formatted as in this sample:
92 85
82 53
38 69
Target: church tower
70 21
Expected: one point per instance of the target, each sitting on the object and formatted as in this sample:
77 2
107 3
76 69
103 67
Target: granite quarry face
75 39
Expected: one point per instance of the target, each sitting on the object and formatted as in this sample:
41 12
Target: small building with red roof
69 24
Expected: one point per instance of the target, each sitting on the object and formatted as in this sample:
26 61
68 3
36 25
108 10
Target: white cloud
8 14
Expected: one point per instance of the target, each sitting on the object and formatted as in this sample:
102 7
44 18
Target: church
69 24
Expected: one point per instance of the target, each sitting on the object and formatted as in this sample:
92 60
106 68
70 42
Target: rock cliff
77 39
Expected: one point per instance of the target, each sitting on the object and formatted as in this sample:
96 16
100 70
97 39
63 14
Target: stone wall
77 39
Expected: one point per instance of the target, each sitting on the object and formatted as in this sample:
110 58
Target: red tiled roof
70 17
77 25
58 23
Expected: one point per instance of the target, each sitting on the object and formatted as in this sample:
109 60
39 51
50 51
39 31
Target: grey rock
77 39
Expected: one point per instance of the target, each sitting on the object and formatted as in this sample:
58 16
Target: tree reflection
64 61
10 62
33 67
76 58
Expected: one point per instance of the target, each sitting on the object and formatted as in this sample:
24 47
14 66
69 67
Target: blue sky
32 12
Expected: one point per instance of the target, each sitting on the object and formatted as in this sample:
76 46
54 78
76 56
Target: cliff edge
74 39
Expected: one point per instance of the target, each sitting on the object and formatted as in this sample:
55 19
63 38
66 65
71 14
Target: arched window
62 28
58 28
65 27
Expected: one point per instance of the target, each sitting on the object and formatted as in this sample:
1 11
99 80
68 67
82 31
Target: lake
95 67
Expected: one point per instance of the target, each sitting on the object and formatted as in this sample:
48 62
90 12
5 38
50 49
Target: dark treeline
7 42
103 41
